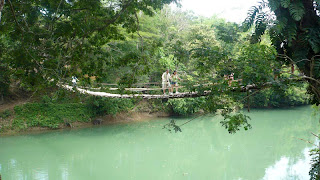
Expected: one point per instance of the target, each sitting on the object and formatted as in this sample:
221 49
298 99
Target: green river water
145 151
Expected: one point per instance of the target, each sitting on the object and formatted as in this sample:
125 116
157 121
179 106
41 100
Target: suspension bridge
97 92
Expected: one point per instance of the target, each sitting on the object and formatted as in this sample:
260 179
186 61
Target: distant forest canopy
125 42
51 41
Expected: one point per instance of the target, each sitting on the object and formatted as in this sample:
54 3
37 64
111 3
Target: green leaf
285 3
291 32
296 10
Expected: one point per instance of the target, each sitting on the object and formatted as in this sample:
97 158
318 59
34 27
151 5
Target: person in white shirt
166 82
74 81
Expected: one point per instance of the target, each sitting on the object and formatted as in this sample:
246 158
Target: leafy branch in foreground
315 162
172 126
233 122
177 128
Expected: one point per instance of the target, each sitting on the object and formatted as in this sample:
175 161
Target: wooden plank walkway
144 96
141 89
155 96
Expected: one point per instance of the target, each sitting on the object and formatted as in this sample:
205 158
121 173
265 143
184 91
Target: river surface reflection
204 150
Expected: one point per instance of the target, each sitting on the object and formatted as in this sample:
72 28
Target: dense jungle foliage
128 42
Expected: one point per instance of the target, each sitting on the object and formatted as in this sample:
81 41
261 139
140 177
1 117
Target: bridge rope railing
144 87
156 96
239 87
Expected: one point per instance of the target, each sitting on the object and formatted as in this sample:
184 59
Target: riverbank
121 118
24 117
60 109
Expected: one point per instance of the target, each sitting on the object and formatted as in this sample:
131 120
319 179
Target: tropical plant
294 28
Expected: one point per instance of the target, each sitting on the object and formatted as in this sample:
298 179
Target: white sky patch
231 10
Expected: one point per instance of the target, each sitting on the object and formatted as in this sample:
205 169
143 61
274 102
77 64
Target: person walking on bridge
166 82
174 82
74 81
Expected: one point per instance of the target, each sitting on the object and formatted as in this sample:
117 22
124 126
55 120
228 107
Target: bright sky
231 10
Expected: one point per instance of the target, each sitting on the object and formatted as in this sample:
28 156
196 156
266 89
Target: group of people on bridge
170 82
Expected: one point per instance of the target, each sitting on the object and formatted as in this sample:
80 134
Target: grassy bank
48 113
50 116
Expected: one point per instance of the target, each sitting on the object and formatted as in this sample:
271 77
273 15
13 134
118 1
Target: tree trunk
1 7
314 88
309 21
2 99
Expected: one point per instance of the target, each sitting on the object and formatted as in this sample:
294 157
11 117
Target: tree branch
315 91
15 17
292 61
111 21
138 29
314 134
310 78
248 96
59 6
307 141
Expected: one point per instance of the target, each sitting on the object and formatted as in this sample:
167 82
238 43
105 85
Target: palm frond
296 10
313 39
248 22
291 33
285 3
280 24
298 55
274 4
316 68
252 14
260 27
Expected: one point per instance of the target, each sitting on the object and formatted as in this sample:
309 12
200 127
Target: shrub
186 106
49 114
100 106
281 97
5 114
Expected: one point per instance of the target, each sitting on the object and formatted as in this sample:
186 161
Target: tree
51 40
294 28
